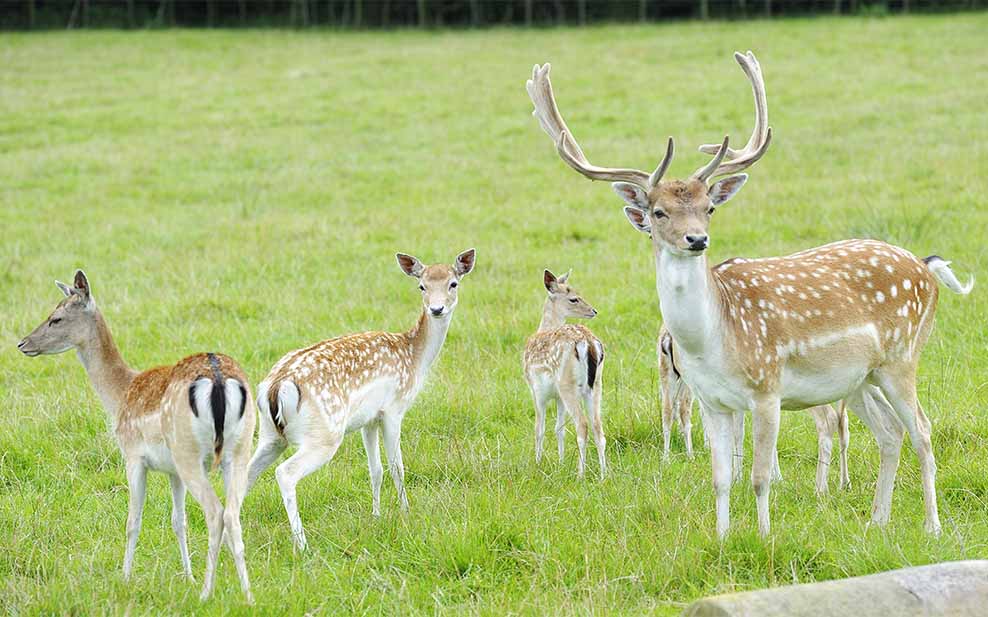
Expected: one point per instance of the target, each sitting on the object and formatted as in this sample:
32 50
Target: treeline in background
47 14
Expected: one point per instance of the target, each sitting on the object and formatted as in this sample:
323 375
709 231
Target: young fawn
677 406
563 362
314 396
175 419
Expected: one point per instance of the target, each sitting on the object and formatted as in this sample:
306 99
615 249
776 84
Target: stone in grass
958 588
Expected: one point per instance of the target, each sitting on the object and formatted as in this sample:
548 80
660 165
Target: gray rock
958 588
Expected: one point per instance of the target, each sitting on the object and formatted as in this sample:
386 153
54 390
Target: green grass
245 192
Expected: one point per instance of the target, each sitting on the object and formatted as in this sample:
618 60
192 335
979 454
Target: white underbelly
715 389
368 401
806 388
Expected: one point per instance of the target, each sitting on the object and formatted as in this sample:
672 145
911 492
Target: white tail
940 267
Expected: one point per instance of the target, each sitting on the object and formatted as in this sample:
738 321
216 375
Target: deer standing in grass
847 320
563 362
179 420
677 406
314 396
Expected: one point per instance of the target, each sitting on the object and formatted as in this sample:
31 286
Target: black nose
437 311
698 242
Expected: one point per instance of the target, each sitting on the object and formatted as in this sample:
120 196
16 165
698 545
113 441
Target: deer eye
453 285
574 300
710 212
54 321
659 214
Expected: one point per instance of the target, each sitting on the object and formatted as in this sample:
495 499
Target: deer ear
81 284
562 279
726 188
639 219
464 262
410 265
632 194
65 288
549 280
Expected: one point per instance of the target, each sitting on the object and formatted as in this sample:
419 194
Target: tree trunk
581 12
210 13
85 13
905 6
837 7
130 14
474 13
642 10
30 14
768 8
560 12
421 13
705 9
528 13
743 8
358 13
242 8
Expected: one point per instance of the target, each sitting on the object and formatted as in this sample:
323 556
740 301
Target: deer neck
552 317
688 300
427 338
107 370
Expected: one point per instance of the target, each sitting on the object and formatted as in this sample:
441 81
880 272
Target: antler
760 138
540 91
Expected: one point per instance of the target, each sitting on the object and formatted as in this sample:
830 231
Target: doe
175 419
314 396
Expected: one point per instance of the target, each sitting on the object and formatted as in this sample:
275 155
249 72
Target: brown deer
677 407
564 362
846 320
314 396
177 419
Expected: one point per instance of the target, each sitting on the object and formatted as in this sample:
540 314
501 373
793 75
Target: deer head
71 324
438 283
564 300
675 213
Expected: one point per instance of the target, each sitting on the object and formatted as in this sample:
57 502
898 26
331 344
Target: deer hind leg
316 451
392 448
560 427
370 434
193 475
685 404
825 418
845 442
235 487
270 445
592 401
668 409
179 525
765 434
899 387
737 456
877 414
137 485
571 401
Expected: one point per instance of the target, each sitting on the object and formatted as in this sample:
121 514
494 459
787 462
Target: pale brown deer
677 408
564 363
316 395
179 419
847 320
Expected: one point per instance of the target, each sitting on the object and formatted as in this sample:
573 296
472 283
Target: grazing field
246 192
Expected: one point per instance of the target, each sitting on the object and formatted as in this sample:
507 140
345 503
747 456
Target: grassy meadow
245 192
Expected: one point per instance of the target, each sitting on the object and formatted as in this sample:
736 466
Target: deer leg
370 433
825 419
178 523
235 487
540 405
392 448
899 388
719 427
571 402
737 456
668 407
308 458
597 426
765 434
194 477
686 417
560 427
137 485
845 442
269 448
876 413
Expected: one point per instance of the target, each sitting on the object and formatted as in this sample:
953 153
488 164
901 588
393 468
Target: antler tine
540 91
710 168
663 165
761 135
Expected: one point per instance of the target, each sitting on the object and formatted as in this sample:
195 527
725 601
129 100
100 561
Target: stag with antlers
844 320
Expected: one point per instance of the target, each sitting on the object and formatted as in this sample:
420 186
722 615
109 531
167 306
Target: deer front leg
720 430
668 408
765 434
179 525
370 434
392 449
540 405
737 459
845 442
137 486
560 428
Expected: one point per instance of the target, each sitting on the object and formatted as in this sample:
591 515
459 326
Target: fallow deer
314 396
179 420
677 406
563 362
842 321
